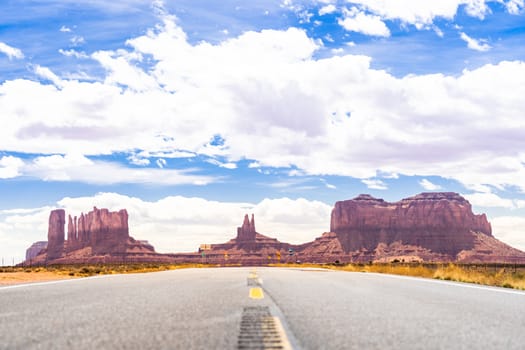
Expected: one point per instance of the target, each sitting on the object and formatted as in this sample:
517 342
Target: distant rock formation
326 248
246 233
99 235
104 231
249 247
438 227
55 234
441 222
35 249
428 226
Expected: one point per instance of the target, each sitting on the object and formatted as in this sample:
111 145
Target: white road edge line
452 283
22 285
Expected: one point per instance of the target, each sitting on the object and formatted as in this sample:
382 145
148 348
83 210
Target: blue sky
190 113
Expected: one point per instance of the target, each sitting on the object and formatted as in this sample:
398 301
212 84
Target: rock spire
246 233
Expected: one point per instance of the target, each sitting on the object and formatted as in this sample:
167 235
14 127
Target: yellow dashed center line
262 331
256 293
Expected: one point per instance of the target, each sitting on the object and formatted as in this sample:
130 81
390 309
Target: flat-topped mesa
453 210
55 233
442 222
247 233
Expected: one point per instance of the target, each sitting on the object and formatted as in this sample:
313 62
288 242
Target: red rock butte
246 233
104 231
98 236
442 222
426 227
437 227
248 248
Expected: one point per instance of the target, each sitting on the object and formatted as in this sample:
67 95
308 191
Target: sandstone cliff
428 226
35 249
98 236
441 222
55 234
104 231
439 227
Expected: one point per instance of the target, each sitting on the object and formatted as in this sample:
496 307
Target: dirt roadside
11 278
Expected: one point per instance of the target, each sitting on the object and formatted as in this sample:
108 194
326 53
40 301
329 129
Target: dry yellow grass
508 277
500 277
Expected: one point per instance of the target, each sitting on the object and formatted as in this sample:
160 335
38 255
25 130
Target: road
245 308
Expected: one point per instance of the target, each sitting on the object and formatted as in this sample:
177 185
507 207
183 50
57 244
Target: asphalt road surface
262 308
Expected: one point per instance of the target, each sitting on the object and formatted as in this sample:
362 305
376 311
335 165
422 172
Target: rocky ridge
438 227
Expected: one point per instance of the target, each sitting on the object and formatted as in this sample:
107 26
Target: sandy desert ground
11 278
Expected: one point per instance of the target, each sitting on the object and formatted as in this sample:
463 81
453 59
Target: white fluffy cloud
477 8
514 7
11 52
358 21
327 9
272 102
174 224
46 74
20 228
375 184
78 168
510 229
429 186
121 70
475 44
492 200
81 169
421 14
10 167
73 53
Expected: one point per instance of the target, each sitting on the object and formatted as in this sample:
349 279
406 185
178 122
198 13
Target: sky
191 113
